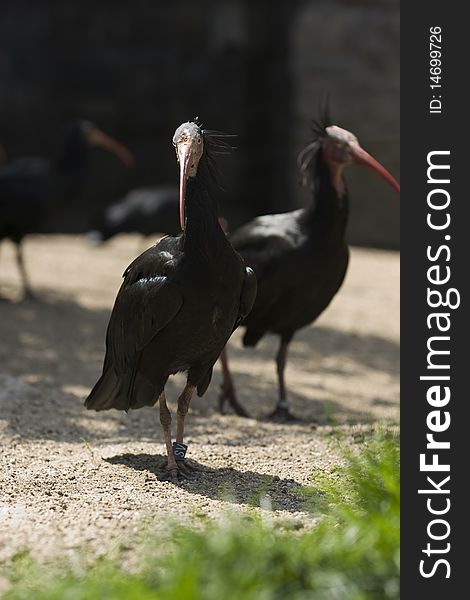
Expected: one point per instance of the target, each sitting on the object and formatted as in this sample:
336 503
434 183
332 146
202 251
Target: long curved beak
184 159
362 157
98 138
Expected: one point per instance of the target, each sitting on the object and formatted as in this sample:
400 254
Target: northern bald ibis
31 188
148 211
178 304
300 258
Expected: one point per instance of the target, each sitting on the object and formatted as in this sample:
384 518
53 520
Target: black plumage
31 189
147 210
178 304
300 258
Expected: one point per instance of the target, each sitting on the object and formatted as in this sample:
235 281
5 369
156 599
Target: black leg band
179 450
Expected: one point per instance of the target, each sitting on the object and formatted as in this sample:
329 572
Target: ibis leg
227 388
282 407
179 447
24 276
183 406
2 298
165 420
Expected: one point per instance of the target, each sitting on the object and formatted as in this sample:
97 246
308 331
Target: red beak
363 158
184 157
98 138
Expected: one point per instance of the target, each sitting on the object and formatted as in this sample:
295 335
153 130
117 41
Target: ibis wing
266 239
247 296
264 244
145 304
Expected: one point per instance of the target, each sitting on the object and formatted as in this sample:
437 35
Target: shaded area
56 346
52 340
314 344
228 484
52 336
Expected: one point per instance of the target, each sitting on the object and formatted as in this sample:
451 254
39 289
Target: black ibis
147 210
32 188
178 304
300 258
143 210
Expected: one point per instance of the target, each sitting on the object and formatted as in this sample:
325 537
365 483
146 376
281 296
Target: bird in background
178 304
148 210
33 188
299 258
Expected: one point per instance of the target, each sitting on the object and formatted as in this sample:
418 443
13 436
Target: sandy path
70 477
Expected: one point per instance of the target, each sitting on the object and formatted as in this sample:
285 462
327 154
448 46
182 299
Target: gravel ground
71 478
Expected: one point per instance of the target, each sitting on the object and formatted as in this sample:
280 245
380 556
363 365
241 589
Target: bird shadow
248 488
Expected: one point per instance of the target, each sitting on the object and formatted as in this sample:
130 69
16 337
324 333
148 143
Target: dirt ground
71 478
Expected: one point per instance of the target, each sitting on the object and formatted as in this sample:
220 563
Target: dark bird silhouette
300 258
148 211
178 304
144 210
31 189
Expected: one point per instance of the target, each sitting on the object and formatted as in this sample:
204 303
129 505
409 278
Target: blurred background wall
139 68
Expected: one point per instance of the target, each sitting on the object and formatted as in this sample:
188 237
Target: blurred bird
31 188
300 258
179 303
147 211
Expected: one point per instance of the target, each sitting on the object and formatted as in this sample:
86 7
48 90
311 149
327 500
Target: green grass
352 554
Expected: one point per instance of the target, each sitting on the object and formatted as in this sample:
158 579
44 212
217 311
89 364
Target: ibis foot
183 470
283 415
227 394
175 474
29 296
